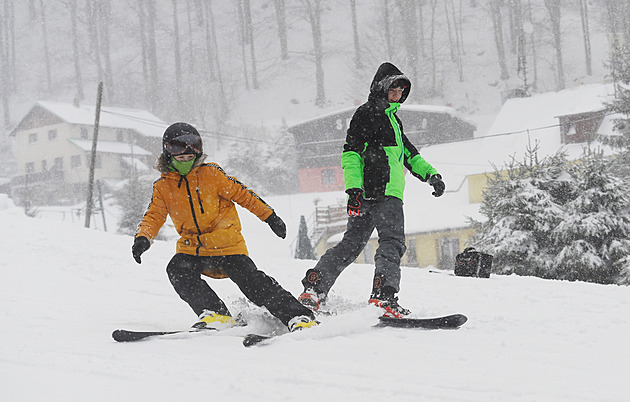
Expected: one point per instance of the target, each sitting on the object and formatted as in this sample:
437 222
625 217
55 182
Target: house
53 144
320 140
438 229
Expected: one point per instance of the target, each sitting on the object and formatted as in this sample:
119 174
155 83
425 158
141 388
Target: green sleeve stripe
352 165
422 167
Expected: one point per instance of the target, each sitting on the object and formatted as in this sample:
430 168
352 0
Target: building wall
321 179
423 249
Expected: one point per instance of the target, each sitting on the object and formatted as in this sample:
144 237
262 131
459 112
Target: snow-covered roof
521 123
542 110
413 108
112 147
142 121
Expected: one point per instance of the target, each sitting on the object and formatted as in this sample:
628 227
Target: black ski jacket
376 149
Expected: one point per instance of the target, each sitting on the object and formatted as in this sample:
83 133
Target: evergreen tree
304 250
132 198
592 240
558 220
523 205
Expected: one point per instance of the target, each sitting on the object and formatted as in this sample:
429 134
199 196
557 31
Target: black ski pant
184 272
387 216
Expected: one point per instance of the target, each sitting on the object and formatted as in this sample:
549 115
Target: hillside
286 88
65 288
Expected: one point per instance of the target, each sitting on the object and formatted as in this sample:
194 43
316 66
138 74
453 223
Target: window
75 161
52 135
32 138
58 165
328 176
412 252
30 167
448 249
120 135
84 133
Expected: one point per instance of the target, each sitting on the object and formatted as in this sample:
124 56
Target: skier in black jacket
374 157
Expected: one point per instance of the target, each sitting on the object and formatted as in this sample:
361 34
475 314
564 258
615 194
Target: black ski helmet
186 132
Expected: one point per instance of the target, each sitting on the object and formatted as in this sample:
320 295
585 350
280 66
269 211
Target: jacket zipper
199 198
194 216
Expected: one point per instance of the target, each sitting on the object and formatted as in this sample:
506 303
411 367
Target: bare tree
553 8
355 34
75 49
497 25
249 34
178 62
243 41
408 15
587 36
281 19
104 20
432 54
5 86
45 43
314 13
388 35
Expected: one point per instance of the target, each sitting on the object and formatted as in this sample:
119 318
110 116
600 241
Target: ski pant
184 272
386 215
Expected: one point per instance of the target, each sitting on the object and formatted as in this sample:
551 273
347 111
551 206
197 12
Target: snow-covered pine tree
592 241
523 204
557 219
132 199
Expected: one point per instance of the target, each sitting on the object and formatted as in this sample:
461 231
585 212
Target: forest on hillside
193 60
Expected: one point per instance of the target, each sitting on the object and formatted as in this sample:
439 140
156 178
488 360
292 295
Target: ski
124 335
255 339
452 321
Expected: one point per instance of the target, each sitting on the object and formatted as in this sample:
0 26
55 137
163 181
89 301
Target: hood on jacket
162 163
386 74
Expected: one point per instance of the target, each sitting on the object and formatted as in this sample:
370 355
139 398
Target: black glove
140 245
277 225
355 200
438 185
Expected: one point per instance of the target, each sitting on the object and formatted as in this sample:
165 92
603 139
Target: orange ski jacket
201 206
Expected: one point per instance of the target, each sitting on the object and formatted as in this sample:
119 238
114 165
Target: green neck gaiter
182 167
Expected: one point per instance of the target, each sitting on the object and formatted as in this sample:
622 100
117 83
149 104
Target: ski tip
254 339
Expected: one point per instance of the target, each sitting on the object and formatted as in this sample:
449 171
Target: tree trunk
421 39
75 50
249 32
553 8
281 18
313 9
388 35
433 91
181 107
92 25
152 56
587 36
46 51
355 35
244 40
497 24
410 35
144 53
104 21
222 108
5 86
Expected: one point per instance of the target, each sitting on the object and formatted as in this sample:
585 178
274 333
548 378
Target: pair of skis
453 321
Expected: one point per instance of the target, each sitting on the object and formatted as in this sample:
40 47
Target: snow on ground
65 288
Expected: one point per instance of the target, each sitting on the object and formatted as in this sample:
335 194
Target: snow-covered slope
65 288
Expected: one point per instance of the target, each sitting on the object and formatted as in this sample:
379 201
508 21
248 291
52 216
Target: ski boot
300 322
211 320
385 299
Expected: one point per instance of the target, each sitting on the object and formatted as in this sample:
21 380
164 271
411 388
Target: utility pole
88 204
